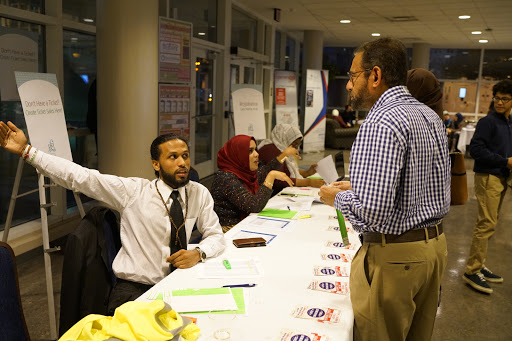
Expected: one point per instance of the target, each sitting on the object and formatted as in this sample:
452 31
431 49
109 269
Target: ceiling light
483 41
345 21
88 20
476 32
201 33
376 34
464 16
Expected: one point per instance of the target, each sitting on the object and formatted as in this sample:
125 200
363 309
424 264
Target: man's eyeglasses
505 100
351 75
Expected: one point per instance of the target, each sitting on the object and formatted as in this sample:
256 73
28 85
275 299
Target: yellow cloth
135 321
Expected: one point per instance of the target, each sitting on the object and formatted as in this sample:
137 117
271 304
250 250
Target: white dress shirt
145 225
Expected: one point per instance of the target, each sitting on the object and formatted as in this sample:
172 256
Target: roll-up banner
316 109
248 110
285 84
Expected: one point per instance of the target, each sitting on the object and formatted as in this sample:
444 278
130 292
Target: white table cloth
288 263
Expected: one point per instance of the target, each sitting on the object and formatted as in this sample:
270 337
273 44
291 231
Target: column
127 53
313 50
420 55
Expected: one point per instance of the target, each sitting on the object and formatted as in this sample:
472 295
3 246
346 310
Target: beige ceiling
437 20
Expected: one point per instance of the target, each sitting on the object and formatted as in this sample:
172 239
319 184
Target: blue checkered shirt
399 168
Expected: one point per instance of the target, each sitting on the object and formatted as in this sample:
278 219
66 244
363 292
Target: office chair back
12 320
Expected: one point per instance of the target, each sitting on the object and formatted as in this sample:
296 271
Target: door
202 119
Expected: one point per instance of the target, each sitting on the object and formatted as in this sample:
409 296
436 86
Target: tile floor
464 314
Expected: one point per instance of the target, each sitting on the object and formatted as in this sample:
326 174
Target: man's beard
170 179
362 102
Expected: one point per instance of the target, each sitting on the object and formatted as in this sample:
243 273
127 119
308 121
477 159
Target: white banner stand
42 107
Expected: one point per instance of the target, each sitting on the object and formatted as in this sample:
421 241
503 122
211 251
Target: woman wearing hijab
425 87
285 136
240 186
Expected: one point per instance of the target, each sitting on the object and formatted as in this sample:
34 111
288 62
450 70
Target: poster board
174 109
316 110
285 85
174 51
17 53
44 114
248 112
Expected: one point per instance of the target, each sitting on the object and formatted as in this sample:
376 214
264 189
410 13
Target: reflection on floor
463 315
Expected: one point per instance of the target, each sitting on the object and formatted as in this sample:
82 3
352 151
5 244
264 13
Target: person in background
399 191
491 147
448 122
282 137
240 186
459 122
336 116
348 115
425 87
154 240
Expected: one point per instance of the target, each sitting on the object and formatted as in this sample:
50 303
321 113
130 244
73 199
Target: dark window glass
497 64
202 14
454 63
277 50
338 60
82 11
289 58
36 6
243 30
14 42
80 99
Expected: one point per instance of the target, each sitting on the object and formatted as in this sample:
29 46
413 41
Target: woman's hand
289 151
276 175
316 183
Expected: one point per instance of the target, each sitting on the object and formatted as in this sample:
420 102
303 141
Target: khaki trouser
394 289
490 191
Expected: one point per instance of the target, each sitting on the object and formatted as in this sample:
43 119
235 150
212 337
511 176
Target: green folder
343 228
275 213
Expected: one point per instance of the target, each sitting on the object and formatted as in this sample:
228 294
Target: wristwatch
202 255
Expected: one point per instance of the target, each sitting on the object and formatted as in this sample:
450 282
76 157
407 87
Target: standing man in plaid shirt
399 191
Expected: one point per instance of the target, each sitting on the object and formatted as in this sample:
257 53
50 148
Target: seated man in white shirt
154 232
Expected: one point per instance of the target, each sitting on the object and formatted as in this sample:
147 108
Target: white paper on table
327 169
240 268
267 224
242 234
189 304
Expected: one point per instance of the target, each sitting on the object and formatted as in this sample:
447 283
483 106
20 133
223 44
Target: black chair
87 276
12 320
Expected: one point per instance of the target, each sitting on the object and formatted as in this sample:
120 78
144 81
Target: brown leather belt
413 235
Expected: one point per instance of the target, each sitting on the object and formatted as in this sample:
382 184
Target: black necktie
180 241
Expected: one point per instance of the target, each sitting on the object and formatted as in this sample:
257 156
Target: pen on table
305 216
288 208
239 285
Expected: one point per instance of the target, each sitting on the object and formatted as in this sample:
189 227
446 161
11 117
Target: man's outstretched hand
12 138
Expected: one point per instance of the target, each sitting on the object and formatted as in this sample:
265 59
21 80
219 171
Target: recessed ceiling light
464 16
344 21
201 33
476 32
88 20
483 41
376 34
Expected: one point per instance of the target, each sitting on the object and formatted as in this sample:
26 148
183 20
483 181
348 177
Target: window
277 50
454 63
35 6
17 38
79 11
497 65
289 58
243 30
202 14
